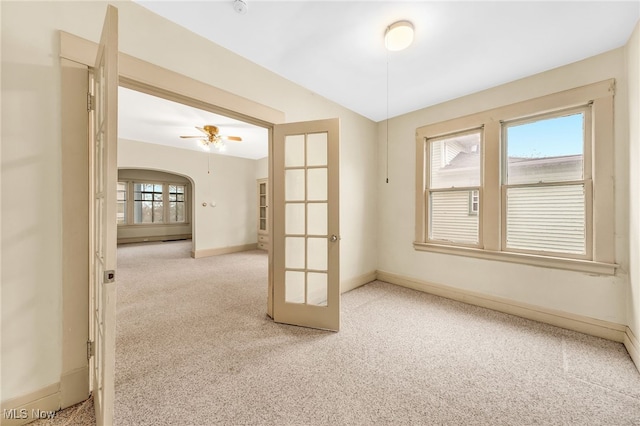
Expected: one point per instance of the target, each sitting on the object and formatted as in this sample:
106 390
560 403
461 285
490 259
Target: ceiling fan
213 137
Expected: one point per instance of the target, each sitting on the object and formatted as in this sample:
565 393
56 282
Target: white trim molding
355 282
633 347
197 254
579 323
43 403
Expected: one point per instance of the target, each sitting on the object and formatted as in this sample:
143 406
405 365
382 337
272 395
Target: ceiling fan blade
199 137
232 138
202 130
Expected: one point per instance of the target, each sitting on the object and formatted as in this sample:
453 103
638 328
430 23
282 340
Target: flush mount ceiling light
398 35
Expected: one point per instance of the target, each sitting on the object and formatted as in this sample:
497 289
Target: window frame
601 225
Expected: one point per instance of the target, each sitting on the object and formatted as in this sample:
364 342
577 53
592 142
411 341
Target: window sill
587 266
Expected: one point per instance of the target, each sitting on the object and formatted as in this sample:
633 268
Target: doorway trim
151 79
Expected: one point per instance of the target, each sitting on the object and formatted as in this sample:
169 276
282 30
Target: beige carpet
194 347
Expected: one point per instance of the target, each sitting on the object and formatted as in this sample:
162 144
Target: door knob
333 238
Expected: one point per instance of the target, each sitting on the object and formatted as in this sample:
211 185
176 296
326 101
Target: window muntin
545 193
148 206
454 174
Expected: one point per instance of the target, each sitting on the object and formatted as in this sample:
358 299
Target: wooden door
103 233
306 235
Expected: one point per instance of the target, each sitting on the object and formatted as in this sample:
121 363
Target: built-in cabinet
263 214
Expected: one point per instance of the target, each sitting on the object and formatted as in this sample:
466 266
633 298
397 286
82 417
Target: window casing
565 208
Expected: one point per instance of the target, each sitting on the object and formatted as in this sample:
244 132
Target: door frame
154 80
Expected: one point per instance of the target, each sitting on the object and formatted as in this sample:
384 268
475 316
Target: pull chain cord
387 124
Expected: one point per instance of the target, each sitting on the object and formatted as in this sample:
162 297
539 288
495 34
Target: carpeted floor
194 347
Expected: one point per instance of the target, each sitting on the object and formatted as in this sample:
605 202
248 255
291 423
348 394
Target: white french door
306 234
103 172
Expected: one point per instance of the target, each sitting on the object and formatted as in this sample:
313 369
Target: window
450 184
176 203
153 203
122 203
520 183
147 203
545 187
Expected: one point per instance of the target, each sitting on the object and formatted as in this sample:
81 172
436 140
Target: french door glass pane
317 189
317 218
295 253
317 288
294 151
547 218
317 149
547 150
455 161
452 218
294 287
294 185
294 212
317 253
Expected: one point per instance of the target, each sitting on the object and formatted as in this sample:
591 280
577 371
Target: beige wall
231 185
31 235
600 297
633 71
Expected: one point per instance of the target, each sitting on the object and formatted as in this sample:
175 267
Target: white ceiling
336 48
146 118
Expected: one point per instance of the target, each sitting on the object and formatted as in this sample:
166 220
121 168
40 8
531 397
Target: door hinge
91 349
91 102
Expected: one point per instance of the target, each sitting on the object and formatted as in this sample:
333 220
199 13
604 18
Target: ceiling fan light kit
213 138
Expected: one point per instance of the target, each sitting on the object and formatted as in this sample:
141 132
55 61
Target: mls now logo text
23 413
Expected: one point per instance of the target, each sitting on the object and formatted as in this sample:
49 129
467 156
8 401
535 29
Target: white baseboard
582 324
197 254
25 409
633 347
353 283
74 387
